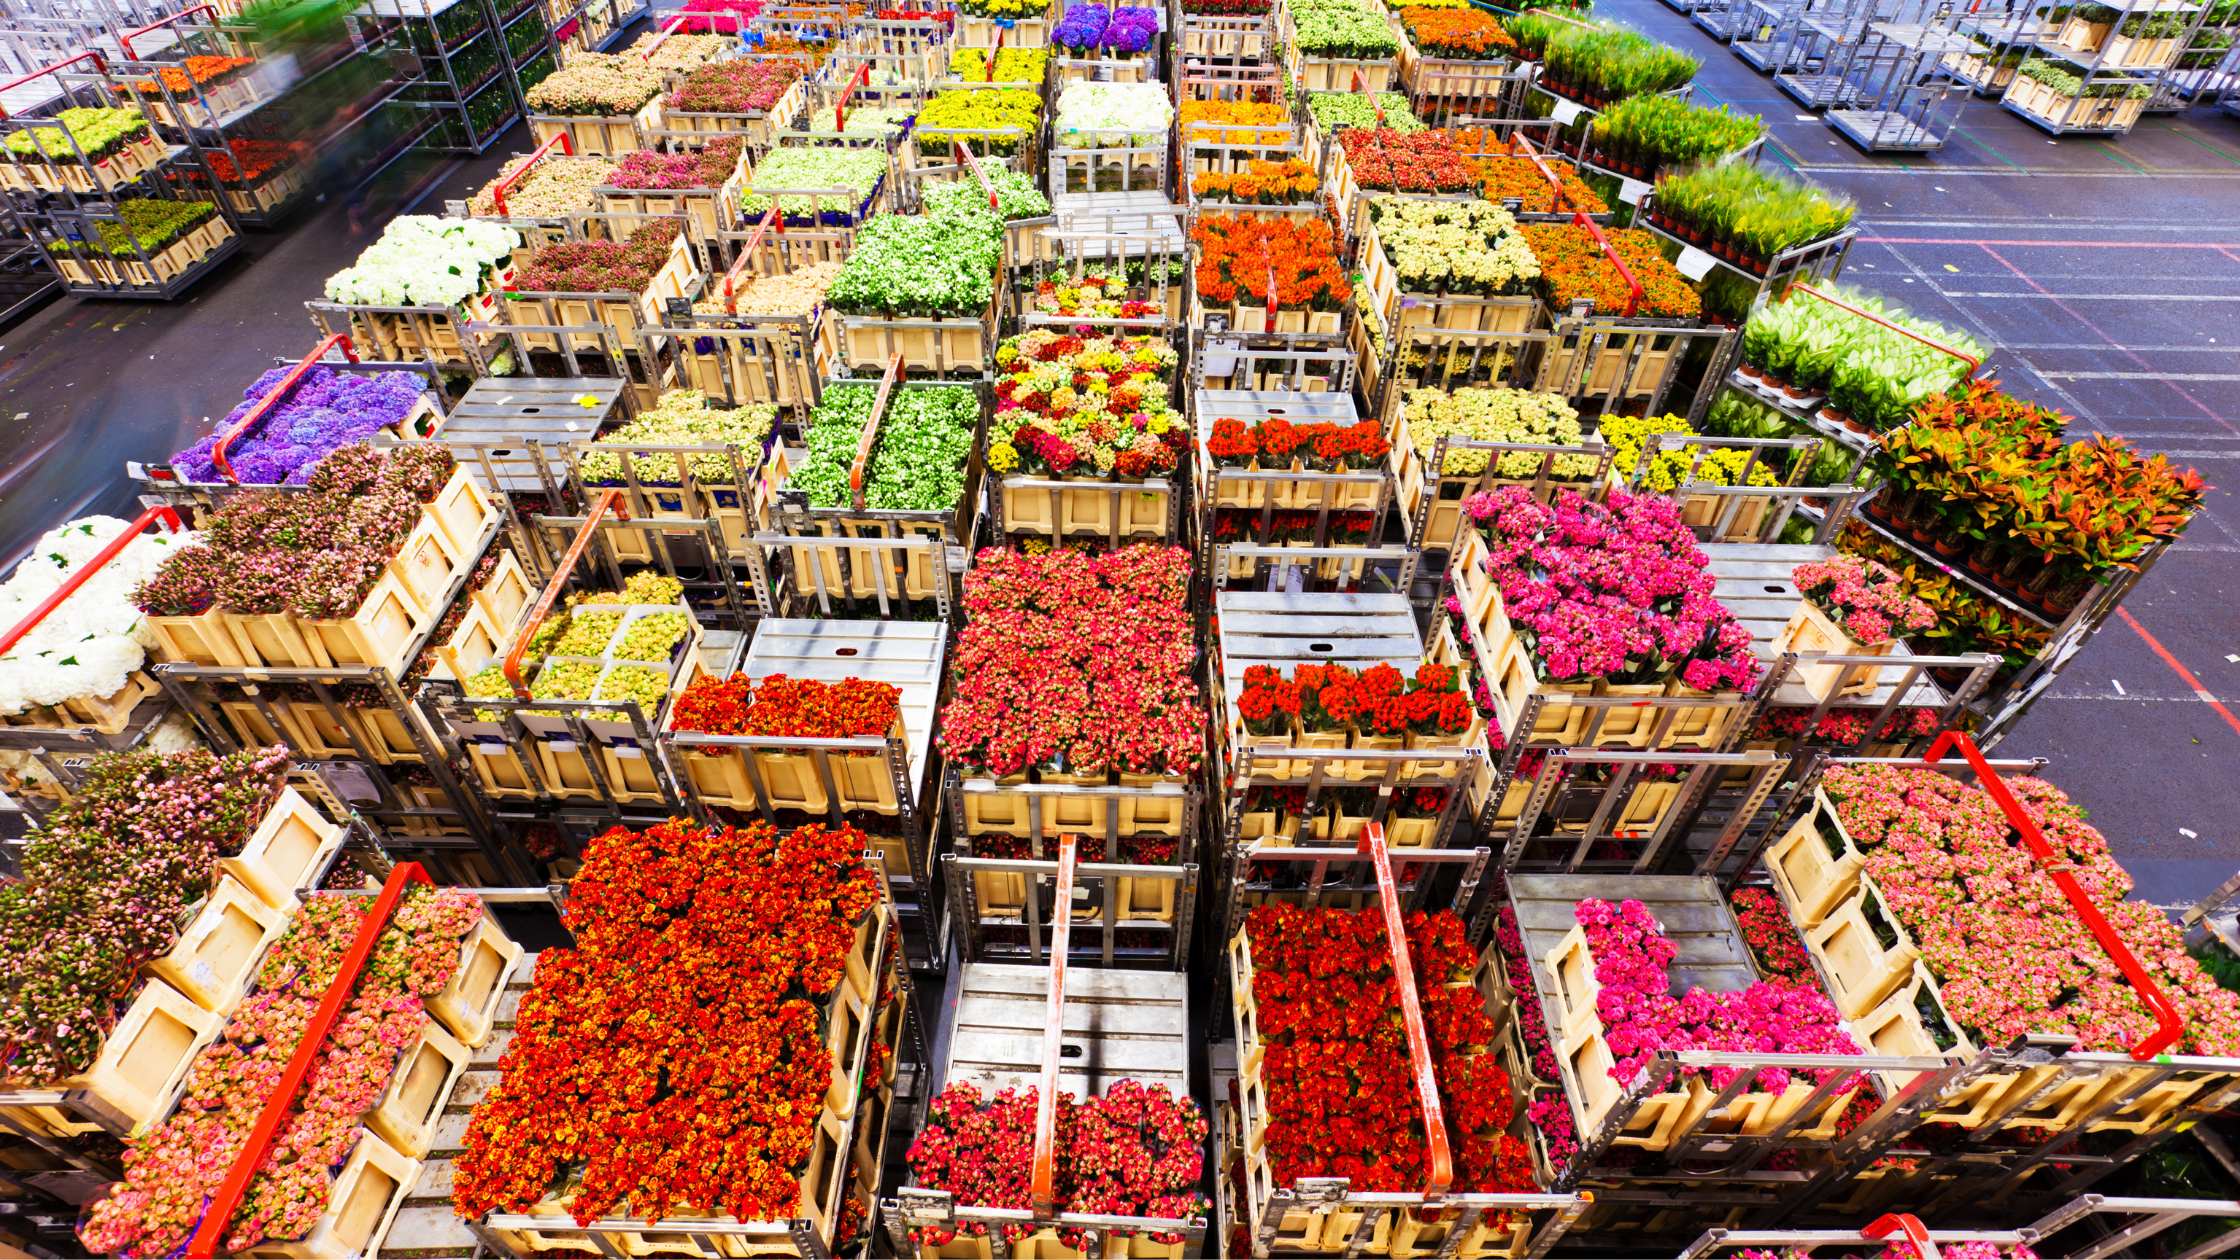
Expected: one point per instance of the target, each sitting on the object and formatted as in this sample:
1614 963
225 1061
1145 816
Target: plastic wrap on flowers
1077 662
672 1063
2007 948
171 1171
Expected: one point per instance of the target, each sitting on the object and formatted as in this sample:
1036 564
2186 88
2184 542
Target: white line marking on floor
2118 683
2189 833
2104 297
2143 376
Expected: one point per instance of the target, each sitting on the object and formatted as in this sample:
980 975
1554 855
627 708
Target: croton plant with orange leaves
1237 257
670 1064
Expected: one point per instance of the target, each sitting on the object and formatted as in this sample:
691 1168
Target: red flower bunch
1237 256
1771 938
674 1054
1326 447
1269 703
714 706
801 707
1232 443
1406 161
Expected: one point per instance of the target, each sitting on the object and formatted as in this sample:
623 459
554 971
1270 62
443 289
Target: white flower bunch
422 260
1130 114
1496 415
91 644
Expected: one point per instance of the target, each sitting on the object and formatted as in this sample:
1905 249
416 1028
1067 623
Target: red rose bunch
1406 161
1326 447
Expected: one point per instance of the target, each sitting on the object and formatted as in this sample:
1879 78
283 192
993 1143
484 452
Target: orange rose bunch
1291 183
1573 266
1238 257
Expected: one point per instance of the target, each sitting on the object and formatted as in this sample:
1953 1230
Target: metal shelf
1957 571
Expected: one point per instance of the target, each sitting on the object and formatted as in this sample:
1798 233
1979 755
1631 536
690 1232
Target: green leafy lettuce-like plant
1875 374
683 418
1649 132
1739 416
2063 81
1333 110
1758 213
156 225
856 170
99 133
940 265
919 462
1016 195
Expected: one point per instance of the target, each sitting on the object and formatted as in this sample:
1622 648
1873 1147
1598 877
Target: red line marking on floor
1952 240
2025 278
2183 672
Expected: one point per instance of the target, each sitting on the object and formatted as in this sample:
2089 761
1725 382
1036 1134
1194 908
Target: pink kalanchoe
1869 600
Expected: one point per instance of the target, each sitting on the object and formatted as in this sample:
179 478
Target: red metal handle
861 78
272 399
972 164
2169 1024
1411 1015
1972 362
1053 1038
1909 1225
73 59
84 573
607 501
219 1211
770 221
521 172
871 428
1633 303
125 41
1555 185
1361 86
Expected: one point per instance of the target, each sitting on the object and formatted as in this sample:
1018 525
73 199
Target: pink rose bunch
2003 941
1078 662
171 1170
1618 590
1641 1016
1869 600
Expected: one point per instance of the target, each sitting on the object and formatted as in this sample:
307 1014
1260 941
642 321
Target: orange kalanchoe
1518 177
1264 183
1237 256
1574 266
1462 34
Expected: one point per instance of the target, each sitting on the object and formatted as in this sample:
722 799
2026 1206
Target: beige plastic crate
221 949
468 1005
406 1116
287 846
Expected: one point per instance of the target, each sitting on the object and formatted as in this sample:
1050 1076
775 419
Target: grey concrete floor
2106 273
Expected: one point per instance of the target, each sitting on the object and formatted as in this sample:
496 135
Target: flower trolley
1069 1032
1453 1159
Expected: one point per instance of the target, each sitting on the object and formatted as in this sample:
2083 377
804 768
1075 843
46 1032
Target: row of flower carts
948 579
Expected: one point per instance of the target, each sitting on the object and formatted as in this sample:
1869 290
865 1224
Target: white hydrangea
90 645
423 261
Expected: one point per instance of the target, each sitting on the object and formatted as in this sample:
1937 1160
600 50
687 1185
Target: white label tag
1218 364
492 750
1630 191
628 750
204 974
1694 263
1565 113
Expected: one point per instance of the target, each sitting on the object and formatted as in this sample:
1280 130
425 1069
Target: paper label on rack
1630 191
1694 263
204 974
492 750
1565 113
1219 363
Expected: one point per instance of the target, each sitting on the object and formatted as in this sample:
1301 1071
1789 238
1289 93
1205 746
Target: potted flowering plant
1851 607
602 102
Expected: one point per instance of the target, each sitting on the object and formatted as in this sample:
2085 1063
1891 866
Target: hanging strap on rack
971 163
124 41
2169 1025
1361 86
861 78
604 502
1555 185
272 399
662 37
521 172
1633 301
1044 1188
1908 1224
1441 1164
871 429
217 1214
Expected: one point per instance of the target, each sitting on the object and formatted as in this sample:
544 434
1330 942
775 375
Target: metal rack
1821 49
465 54
1757 32
2118 74
1904 71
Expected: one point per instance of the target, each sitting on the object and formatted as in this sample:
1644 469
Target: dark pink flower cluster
1618 590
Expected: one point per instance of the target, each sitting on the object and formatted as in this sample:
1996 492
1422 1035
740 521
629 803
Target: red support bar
272 399
98 64
84 573
219 1211
1411 1015
124 41
607 501
1909 1225
1972 362
971 163
521 172
1044 1189
1633 303
862 78
871 428
2169 1024
1555 185
1362 86
771 221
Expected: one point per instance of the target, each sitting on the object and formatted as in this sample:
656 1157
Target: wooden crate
292 841
221 949
600 135
275 639
382 632
468 1005
427 562
110 714
366 1195
1861 969
142 1064
505 594
1811 630
406 1116
1811 877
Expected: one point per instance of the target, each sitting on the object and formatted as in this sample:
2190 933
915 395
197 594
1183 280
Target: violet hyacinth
323 411
1091 28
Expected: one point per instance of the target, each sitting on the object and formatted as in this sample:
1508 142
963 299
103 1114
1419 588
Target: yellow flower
1003 457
